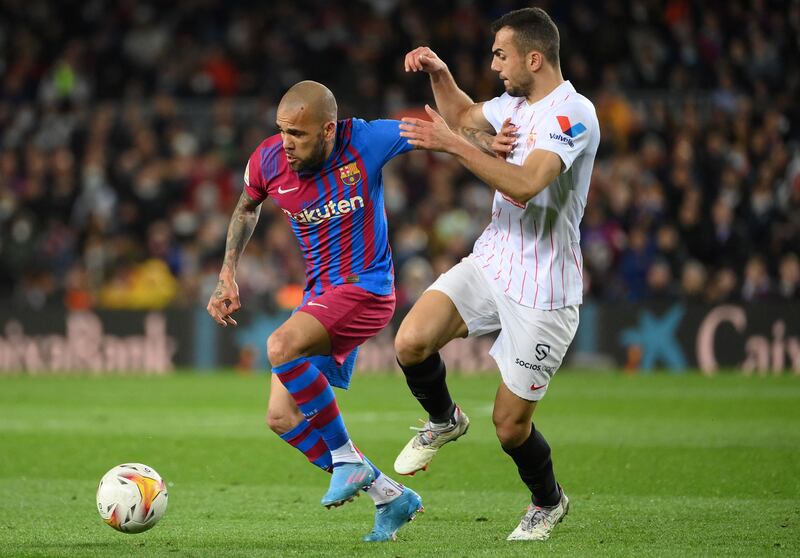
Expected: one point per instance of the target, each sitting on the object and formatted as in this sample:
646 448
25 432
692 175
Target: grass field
654 465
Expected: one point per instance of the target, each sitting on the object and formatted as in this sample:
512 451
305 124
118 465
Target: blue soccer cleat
347 481
393 515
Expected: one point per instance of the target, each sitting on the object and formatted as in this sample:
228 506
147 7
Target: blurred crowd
125 127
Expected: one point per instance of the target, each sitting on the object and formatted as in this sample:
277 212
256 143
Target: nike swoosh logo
312 303
534 387
282 191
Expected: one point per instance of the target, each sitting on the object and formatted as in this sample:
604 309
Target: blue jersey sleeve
383 136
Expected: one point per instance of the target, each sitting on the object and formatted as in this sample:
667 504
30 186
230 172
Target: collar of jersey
562 87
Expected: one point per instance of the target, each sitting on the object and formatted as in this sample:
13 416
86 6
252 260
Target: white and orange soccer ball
132 497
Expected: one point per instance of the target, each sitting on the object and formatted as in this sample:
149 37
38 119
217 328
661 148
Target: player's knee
280 348
510 432
412 346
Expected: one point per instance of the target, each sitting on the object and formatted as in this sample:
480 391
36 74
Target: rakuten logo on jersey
330 210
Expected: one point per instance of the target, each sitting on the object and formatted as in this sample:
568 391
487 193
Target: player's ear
329 130
535 60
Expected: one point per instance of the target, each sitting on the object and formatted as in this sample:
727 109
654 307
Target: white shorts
531 344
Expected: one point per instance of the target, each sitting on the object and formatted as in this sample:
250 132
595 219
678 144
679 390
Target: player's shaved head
313 99
306 119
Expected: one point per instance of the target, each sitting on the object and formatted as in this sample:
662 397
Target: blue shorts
338 376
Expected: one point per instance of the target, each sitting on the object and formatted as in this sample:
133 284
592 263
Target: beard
519 89
516 91
315 160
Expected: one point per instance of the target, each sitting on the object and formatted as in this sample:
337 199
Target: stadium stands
124 131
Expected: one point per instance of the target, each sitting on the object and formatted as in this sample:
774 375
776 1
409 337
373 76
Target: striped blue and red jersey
336 212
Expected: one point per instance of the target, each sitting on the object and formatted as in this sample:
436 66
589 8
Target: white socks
346 453
384 490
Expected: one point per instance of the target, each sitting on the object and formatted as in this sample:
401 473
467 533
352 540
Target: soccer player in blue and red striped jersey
325 175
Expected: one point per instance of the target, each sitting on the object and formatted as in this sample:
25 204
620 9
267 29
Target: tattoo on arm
240 229
480 139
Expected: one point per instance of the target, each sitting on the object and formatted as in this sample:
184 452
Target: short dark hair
533 30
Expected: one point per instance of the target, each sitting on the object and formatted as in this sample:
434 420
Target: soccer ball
132 497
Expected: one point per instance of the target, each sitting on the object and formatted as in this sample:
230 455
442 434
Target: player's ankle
384 490
346 453
445 419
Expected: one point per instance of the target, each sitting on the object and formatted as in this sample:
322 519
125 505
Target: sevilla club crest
350 174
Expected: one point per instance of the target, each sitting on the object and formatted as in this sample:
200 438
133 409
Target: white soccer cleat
419 451
537 523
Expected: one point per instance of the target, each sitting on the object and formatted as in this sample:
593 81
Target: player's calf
535 467
308 441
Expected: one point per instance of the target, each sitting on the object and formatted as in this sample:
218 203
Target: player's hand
433 135
425 60
224 301
505 141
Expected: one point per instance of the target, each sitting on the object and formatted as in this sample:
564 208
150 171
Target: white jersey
532 252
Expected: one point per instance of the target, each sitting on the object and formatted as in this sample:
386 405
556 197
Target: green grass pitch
654 465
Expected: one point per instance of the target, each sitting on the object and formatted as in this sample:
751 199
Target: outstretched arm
458 109
519 183
225 300
500 145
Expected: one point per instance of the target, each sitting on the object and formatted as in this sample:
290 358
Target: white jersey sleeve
568 132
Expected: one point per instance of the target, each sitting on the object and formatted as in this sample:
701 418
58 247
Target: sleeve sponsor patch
569 130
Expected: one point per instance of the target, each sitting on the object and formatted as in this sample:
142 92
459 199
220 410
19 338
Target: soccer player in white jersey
524 275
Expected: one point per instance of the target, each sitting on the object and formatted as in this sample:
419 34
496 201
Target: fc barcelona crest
350 174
